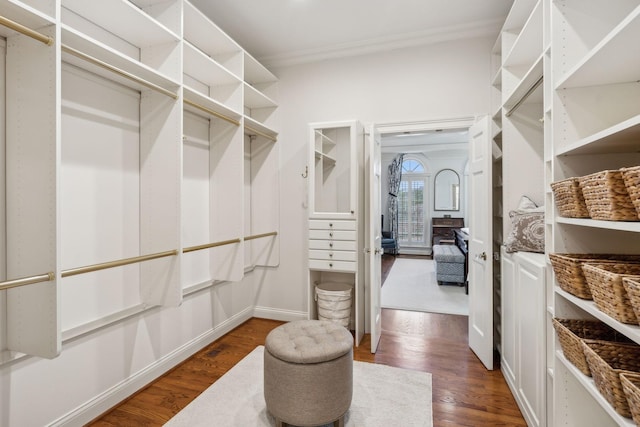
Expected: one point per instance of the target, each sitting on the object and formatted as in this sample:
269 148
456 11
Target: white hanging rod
213 113
26 31
210 245
27 281
257 132
258 236
118 71
524 97
118 263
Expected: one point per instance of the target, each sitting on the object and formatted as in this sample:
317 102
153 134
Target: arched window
413 204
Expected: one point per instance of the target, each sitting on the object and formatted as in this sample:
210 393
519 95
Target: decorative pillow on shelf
527 228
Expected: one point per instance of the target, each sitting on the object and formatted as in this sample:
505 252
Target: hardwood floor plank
464 392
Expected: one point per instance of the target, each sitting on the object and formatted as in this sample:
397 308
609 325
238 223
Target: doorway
427 148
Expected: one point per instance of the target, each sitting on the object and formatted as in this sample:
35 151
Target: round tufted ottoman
308 373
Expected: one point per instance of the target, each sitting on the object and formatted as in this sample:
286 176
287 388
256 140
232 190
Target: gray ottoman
449 263
308 373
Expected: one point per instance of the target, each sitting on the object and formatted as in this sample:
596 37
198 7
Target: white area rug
411 285
382 396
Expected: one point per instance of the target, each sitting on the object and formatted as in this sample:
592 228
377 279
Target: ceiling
287 32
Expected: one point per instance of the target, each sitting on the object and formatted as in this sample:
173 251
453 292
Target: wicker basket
609 294
568 270
607 361
631 387
572 331
631 178
569 199
607 198
632 286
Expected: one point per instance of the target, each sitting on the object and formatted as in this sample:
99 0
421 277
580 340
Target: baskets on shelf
607 289
569 199
606 196
568 270
607 360
631 387
631 178
572 331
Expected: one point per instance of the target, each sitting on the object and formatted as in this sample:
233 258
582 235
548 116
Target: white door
373 223
480 243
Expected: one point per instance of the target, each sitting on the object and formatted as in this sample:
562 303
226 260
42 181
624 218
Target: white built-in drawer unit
332 245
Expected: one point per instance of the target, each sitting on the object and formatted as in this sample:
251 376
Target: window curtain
395 175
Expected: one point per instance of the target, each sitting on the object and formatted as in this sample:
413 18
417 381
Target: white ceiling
286 32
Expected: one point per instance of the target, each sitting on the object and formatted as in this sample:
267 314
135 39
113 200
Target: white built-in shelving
153 171
595 116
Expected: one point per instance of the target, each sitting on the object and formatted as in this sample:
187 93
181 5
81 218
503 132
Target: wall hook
306 172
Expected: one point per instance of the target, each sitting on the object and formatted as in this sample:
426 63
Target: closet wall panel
100 194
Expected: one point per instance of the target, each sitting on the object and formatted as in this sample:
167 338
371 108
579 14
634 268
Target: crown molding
485 28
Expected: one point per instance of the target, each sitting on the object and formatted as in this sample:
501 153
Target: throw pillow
527 232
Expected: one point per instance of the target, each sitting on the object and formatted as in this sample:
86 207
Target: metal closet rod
210 245
26 31
118 71
118 263
27 281
258 236
213 113
257 132
524 97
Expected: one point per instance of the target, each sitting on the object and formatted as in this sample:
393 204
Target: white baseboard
277 314
116 394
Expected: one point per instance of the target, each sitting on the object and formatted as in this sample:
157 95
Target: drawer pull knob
330 265
331 255
330 234
330 224
330 245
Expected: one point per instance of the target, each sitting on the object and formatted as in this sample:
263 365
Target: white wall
430 82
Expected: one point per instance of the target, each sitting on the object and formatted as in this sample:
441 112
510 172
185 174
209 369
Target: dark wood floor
464 392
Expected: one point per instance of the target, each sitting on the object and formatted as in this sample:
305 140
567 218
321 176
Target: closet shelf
27 16
610 61
97 50
197 103
255 128
590 386
6 23
205 69
524 88
253 98
124 19
631 331
528 44
255 73
205 35
620 138
594 223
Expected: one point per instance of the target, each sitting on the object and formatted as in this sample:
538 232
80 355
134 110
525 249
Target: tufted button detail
309 341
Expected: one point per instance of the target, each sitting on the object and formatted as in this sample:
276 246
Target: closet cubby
152 173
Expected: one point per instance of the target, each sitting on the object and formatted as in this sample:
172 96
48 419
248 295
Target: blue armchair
389 244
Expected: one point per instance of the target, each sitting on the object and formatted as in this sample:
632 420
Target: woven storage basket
609 294
632 286
568 270
607 198
631 178
569 199
607 361
631 387
572 331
